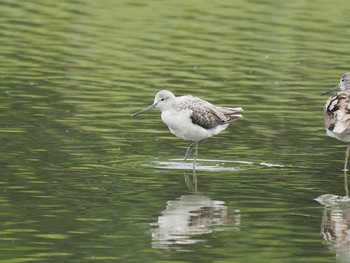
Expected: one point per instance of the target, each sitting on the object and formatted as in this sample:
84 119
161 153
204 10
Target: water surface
83 181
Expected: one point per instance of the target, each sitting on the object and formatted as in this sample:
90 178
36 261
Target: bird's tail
232 114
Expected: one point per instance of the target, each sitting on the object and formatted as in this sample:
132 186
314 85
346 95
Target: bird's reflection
192 184
335 225
184 219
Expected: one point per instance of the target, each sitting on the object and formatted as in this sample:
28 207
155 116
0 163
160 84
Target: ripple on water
209 165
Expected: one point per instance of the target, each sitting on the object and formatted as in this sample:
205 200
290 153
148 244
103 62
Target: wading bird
192 118
337 113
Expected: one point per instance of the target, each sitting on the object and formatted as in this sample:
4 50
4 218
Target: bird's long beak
150 107
336 88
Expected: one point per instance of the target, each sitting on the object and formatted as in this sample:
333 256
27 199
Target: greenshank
191 118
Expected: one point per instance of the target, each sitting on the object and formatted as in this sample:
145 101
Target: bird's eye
163 99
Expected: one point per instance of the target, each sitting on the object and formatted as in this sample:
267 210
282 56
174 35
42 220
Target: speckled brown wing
337 113
204 113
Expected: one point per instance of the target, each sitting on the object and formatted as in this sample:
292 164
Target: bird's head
344 84
162 100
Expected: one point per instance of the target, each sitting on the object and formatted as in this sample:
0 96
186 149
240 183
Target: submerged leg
189 150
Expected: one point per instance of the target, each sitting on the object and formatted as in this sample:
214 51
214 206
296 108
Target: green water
82 181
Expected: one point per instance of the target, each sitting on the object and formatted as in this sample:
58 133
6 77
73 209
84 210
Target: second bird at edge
337 113
191 118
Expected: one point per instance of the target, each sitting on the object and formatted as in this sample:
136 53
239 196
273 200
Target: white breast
181 125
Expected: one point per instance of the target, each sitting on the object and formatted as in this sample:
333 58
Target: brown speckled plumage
337 115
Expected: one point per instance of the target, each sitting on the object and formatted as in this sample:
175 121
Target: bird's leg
195 158
345 171
346 157
189 150
346 186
